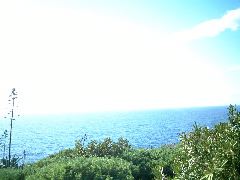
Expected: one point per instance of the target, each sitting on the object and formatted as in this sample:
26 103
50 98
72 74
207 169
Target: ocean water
41 136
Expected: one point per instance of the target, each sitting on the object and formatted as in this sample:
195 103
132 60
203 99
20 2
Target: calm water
40 136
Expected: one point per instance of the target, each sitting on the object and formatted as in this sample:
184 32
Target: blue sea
41 136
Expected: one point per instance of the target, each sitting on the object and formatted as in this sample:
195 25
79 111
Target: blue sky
81 56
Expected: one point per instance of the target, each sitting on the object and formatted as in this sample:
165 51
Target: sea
40 136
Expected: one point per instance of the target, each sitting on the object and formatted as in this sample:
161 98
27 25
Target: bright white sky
63 59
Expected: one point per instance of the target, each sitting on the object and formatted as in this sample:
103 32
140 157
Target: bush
163 161
148 163
107 148
80 168
141 163
103 160
11 174
211 153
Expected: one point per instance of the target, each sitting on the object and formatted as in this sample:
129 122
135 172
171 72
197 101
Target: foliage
80 168
11 174
163 165
104 160
211 153
101 160
107 148
96 160
148 163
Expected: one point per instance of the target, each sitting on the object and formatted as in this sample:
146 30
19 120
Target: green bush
141 163
103 160
211 153
11 174
106 148
80 168
148 163
163 161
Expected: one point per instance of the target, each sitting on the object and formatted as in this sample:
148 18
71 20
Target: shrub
106 148
80 168
11 174
211 153
148 163
105 159
163 161
141 163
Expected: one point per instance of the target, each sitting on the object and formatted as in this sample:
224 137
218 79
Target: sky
86 56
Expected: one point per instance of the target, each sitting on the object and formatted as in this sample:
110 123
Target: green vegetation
80 168
11 174
211 153
101 160
201 154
